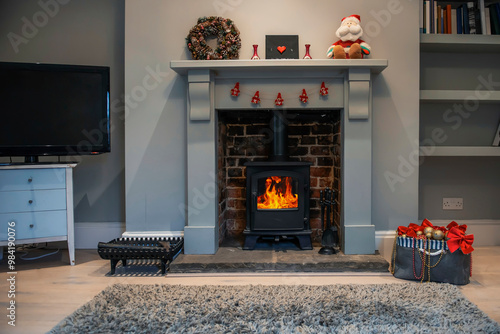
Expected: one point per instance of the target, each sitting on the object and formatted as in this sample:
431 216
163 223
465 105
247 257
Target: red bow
427 223
455 224
458 239
410 231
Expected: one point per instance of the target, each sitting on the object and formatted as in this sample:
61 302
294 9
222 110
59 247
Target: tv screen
56 110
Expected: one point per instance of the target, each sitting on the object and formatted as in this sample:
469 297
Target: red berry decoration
279 100
236 90
303 97
256 98
323 90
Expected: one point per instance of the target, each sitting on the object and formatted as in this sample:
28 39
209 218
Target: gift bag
430 261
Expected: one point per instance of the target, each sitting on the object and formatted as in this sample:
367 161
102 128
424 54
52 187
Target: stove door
278 201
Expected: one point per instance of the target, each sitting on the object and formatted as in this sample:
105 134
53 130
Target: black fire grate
163 249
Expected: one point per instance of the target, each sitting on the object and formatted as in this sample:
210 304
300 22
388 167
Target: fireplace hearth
278 194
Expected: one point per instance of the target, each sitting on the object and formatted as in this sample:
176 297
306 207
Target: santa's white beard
349 34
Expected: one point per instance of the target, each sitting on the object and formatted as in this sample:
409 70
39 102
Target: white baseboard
88 235
384 241
152 234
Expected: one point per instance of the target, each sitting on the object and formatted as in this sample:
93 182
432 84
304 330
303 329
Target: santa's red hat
352 18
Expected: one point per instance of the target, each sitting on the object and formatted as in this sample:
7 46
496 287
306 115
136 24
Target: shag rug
377 308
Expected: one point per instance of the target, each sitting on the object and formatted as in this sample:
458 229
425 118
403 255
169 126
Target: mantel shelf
183 66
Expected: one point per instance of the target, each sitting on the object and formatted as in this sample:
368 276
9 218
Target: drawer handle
30 201
30 180
31 225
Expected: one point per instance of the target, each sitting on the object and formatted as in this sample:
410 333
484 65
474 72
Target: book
454 21
497 18
445 21
482 16
494 19
432 5
439 14
421 16
427 17
465 19
496 139
459 21
472 18
479 25
448 19
487 19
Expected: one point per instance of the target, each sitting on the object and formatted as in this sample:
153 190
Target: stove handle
254 201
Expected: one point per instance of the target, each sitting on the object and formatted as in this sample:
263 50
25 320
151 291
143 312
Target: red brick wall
243 139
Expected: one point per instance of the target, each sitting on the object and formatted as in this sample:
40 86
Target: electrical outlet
456 203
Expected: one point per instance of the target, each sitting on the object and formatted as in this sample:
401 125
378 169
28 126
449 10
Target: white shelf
183 66
453 43
460 151
458 95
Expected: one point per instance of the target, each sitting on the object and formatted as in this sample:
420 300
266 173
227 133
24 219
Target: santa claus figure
350 45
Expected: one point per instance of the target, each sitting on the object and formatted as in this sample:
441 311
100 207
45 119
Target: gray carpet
378 308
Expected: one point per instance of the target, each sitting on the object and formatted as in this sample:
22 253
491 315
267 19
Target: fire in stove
278 194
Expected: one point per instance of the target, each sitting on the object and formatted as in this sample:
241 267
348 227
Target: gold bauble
428 229
403 235
428 235
438 234
420 232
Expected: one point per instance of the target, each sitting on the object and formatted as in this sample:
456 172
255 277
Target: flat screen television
53 110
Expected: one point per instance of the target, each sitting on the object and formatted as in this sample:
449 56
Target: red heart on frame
281 49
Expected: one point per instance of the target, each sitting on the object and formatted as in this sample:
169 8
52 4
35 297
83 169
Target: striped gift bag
427 260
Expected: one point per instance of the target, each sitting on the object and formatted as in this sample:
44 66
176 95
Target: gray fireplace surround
209 85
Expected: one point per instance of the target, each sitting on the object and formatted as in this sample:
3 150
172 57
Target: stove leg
250 241
305 242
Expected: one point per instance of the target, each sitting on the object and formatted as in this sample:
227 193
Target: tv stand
38 199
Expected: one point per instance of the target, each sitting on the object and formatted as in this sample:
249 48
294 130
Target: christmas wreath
228 38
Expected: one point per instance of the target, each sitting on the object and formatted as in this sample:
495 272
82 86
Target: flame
278 194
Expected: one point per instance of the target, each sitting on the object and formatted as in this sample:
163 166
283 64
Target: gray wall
155 121
89 32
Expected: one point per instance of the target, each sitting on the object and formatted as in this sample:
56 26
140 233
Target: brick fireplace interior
246 135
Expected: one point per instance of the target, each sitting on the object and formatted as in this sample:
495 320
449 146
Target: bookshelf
466 164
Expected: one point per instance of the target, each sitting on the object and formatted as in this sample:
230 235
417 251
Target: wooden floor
47 290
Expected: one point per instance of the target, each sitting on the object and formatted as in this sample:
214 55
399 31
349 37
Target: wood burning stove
278 194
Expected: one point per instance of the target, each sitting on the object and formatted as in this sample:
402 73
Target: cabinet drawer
32 179
30 225
36 200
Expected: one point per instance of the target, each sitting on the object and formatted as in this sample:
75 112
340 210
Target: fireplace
208 93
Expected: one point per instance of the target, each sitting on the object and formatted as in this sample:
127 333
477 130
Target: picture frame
282 46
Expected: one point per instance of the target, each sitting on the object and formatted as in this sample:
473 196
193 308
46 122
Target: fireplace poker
329 239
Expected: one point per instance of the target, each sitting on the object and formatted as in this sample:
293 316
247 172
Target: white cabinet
39 200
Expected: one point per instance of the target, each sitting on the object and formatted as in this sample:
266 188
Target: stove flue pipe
280 138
